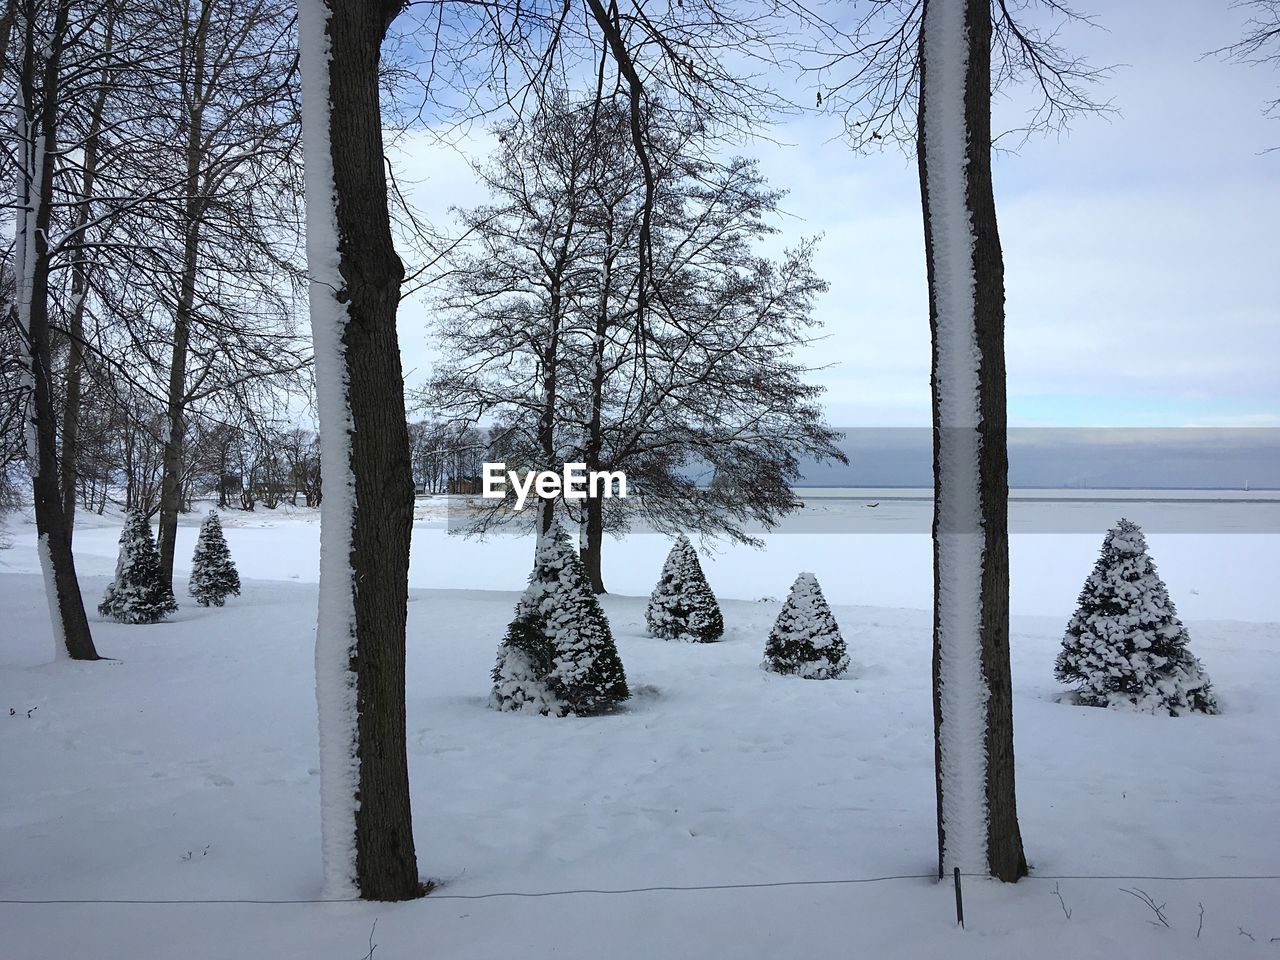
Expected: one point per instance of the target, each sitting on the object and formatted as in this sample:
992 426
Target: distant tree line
447 456
120 463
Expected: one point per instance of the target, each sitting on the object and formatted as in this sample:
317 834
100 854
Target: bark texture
51 525
386 862
593 545
591 549
1005 857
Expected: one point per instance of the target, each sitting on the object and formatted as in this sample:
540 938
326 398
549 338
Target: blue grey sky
1140 250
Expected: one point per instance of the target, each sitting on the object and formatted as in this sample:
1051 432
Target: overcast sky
1141 252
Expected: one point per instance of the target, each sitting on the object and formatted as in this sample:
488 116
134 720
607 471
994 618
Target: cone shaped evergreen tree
138 593
558 656
682 606
1125 647
805 639
213 574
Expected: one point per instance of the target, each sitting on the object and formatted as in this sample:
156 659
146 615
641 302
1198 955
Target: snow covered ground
186 769
1227 575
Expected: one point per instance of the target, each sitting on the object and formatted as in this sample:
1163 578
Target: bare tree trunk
171 477
969 422
547 417
171 470
66 607
367 516
7 19
551 367
71 409
590 550
80 285
224 456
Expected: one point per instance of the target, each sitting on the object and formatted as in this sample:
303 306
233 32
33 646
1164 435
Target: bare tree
1260 45
698 398
301 450
229 88
43 40
428 454
86 60
103 37
973 711
13 396
8 17
515 296
446 456
218 443
87 191
869 70
499 54
138 429
921 72
130 295
367 509
355 286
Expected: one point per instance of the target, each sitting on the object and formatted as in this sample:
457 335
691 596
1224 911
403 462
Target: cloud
1140 251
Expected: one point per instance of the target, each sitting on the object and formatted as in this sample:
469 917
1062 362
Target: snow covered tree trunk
973 716
37 150
367 509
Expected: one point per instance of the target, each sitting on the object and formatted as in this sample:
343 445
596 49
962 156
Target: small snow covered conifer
682 606
1125 646
805 639
138 593
213 574
558 656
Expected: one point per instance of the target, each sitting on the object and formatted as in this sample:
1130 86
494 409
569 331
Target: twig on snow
1146 898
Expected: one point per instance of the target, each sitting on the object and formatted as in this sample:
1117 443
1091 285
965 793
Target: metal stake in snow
959 900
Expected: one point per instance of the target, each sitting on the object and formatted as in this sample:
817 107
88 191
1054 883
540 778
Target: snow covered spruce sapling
213 574
682 606
805 639
138 593
1125 646
558 656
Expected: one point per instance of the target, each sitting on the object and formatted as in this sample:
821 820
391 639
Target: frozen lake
910 510
1217 550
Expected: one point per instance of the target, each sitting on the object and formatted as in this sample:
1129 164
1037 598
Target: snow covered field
186 768
1227 575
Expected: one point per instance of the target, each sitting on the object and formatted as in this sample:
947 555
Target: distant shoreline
1188 495
1073 490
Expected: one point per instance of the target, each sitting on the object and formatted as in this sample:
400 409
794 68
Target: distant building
465 486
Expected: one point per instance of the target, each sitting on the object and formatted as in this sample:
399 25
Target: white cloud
1140 253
